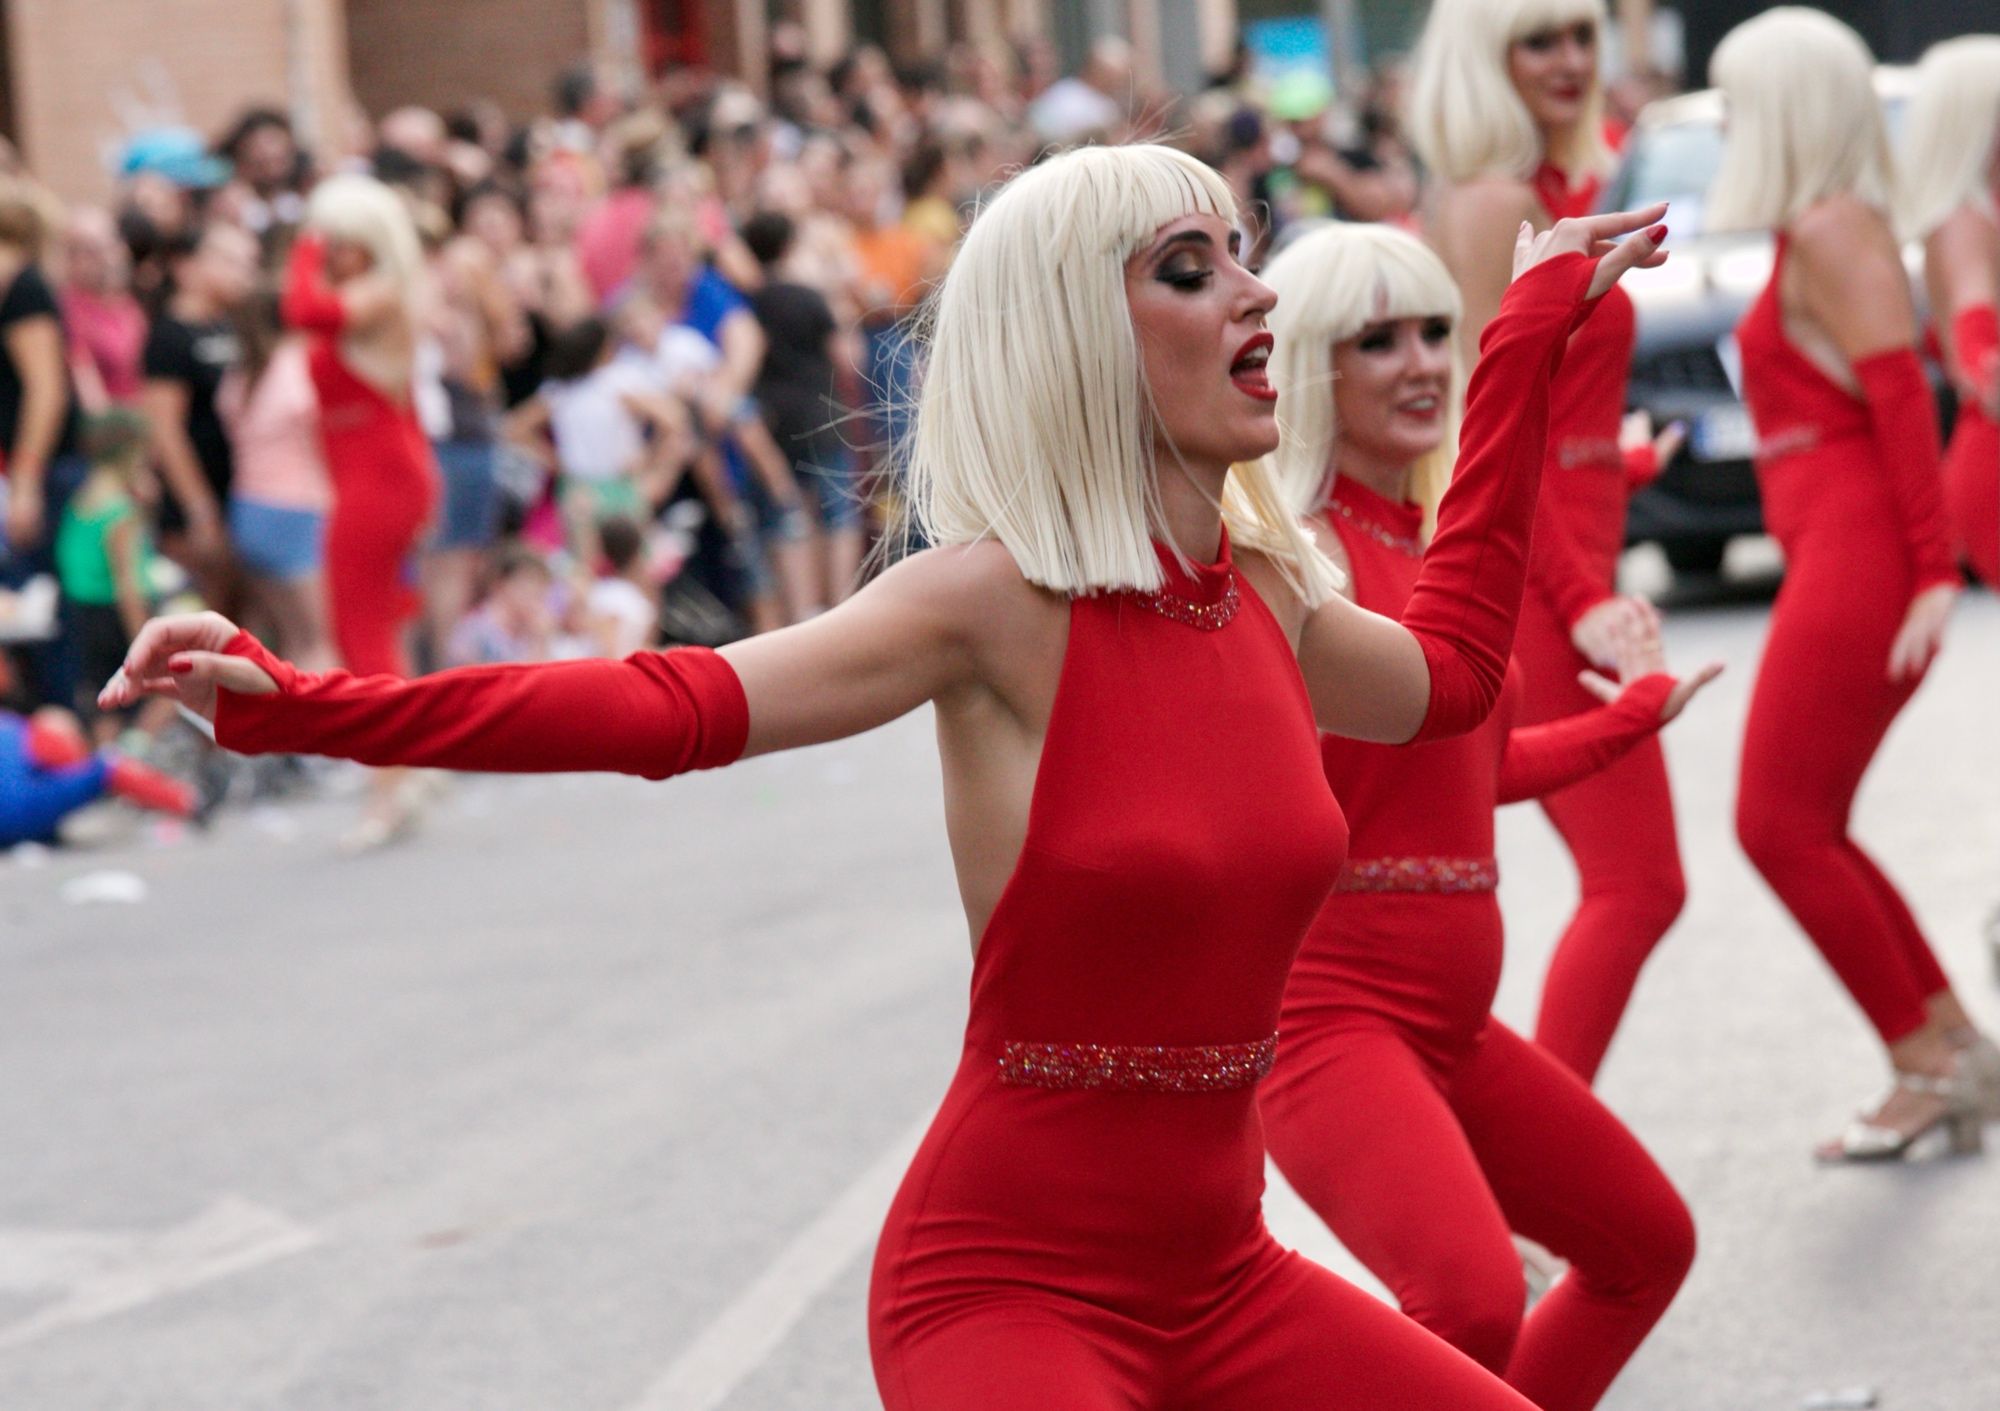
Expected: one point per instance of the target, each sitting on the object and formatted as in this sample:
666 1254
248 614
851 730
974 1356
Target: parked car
1685 364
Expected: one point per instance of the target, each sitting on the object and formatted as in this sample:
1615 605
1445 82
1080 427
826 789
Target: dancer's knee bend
1476 1306
1653 1252
1777 834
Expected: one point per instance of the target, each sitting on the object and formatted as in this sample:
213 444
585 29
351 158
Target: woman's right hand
1617 240
183 659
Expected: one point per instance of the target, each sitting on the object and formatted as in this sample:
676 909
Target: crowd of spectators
661 345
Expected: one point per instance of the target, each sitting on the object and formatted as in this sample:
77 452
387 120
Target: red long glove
309 302
1468 593
1975 337
1540 759
1642 465
654 714
1904 418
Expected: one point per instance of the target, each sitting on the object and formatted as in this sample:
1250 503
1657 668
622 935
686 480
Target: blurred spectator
191 345
38 424
607 241
104 555
796 390
268 172
622 608
107 328
517 620
1093 103
280 493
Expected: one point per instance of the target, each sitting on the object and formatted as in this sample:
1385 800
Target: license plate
1724 434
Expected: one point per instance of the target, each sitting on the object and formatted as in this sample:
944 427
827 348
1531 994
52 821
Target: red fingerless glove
1975 337
1468 593
309 302
1904 418
1642 465
654 714
1540 759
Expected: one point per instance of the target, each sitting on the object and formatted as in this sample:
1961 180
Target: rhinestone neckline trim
1401 543
1419 874
1208 617
1205 1068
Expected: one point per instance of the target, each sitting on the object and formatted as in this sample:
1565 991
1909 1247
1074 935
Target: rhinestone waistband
1419 874
1204 1068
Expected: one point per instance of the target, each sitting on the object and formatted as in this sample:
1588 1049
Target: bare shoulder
1844 235
1279 596
1967 236
973 592
1491 203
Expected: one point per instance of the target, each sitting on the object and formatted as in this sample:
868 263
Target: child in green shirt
104 550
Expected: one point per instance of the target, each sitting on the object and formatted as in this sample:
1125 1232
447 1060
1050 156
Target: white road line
107 1272
763 1315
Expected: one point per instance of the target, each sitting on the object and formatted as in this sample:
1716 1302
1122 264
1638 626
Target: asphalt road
591 1097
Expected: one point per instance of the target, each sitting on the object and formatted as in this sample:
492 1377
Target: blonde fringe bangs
1464 116
1032 425
1331 284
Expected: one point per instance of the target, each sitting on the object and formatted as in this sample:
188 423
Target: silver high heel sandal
1979 1065
1965 1131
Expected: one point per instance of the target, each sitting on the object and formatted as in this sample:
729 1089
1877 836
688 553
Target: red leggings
1423 1169
1972 492
1291 1337
1822 703
1619 828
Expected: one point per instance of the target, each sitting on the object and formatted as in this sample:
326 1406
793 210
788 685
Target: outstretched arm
1540 759
1439 671
882 653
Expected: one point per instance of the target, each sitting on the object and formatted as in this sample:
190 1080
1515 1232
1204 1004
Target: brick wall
87 72
443 53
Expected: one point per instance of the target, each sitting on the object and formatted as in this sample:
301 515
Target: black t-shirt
795 386
196 355
29 296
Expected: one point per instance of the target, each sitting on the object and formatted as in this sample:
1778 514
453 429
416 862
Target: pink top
275 433
607 244
109 330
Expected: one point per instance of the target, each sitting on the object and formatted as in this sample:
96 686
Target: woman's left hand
1922 632
1617 240
1639 654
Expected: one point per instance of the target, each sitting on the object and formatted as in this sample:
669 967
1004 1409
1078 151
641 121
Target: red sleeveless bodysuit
1855 555
1420 1128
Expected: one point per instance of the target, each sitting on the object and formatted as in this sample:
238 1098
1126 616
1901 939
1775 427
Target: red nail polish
1658 234
180 666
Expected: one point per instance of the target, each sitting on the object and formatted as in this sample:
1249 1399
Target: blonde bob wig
1950 132
1804 121
1033 425
1332 284
362 211
1466 118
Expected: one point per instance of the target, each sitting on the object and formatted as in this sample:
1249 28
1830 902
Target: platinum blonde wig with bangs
365 212
1804 121
1950 132
1033 425
1465 117
1332 284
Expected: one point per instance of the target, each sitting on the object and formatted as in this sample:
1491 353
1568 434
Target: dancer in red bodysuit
1422 1130
1129 744
1950 165
1505 111
351 285
1847 465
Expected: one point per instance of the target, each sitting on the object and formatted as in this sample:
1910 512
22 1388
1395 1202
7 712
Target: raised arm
1439 671
882 653
1962 266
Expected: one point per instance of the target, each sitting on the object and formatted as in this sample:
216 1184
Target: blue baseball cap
178 153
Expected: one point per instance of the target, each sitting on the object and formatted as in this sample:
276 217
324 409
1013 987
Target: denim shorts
469 517
274 541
